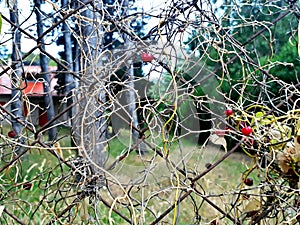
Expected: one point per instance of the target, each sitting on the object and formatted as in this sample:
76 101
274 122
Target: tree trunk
90 125
16 76
131 95
131 99
49 106
69 81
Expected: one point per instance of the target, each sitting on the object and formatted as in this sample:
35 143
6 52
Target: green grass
37 167
41 168
223 179
47 175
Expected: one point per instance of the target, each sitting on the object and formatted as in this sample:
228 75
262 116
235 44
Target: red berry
228 112
11 134
246 130
27 186
147 57
298 139
248 181
298 217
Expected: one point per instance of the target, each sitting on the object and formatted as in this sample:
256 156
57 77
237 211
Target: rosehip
248 181
246 130
147 57
228 112
298 139
11 134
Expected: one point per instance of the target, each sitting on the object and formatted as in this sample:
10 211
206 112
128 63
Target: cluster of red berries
246 130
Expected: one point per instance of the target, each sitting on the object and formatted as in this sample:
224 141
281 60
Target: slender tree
120 40
131 96
16 76
49 106
131 102
90 122
68 59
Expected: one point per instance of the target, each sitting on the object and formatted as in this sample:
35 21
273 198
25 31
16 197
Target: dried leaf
58 149
286 158
297 148
253 205
84 209
283 162
217 140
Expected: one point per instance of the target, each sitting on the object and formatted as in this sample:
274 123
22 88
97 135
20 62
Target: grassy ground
41 169
225 178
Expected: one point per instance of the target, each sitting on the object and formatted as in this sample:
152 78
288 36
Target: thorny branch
157 122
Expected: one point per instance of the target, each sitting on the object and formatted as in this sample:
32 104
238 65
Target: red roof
34 87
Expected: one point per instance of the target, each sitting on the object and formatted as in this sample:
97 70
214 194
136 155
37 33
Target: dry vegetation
201 60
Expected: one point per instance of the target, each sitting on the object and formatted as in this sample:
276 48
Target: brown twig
14 217
195 179
116 211
68 208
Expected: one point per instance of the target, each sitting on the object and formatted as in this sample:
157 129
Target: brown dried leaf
297 149
286 158
84 209
253 205
217 140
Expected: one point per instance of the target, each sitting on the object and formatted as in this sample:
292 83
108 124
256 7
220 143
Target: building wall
33 90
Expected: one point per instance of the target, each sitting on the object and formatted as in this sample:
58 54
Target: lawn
52 186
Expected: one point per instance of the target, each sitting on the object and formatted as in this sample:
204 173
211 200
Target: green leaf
298 127
259 115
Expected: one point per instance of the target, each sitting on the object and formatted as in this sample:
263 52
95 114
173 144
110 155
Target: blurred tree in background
152 101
